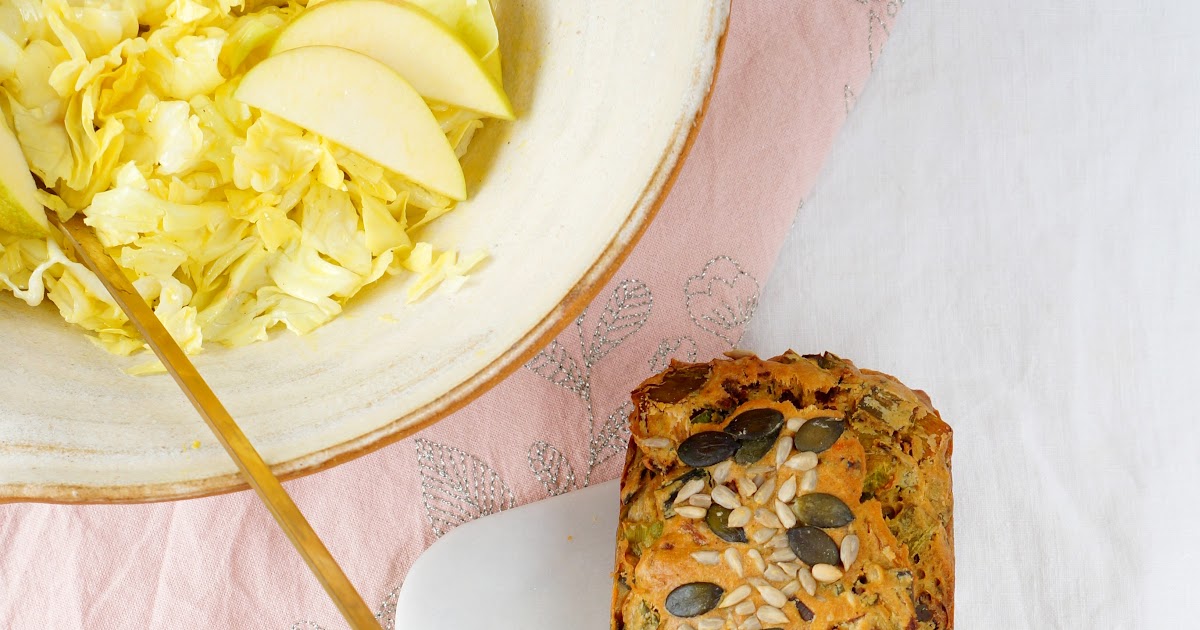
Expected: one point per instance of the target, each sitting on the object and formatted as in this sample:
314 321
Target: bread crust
890 466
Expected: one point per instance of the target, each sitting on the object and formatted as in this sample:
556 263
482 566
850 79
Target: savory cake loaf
793 492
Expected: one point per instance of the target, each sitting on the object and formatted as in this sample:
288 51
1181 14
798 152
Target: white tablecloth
1011 222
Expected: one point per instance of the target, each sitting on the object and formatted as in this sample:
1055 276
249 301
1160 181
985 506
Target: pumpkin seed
812 545
818 434
678 384
753 450
755 424
705 417
694 599
707 448
718 521
822 510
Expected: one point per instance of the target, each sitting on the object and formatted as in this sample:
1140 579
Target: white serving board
547 565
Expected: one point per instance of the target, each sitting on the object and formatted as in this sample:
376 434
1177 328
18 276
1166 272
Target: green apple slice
410 41
20 211
474 23
361 104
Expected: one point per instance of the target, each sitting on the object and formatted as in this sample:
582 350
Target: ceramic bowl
609 95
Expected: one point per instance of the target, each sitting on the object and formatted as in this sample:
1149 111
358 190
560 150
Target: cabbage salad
230 222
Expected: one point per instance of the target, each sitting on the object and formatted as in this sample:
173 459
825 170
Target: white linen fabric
1010 220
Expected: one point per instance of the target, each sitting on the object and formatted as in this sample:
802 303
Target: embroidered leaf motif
551 468
556 365
457 487
612 438
625 313
722 298
679 348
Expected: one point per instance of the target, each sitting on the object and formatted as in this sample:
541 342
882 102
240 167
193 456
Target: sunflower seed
808 482
823 510
761 536
787 490
686 627
758 480
812 545
735 596
806 579
694 599
791 568
746 487
826 573
690 488
783 555
740 516
766 518
802 461
765 491
756 581
794 424
744 608
656 442
785 514
708 558
850 546
751 624
759 469
691 511
724 497
776 574
720 472
738 353
710 624
770 614
778 541
700 500
756 560
771 595
791 588
735 562
782 450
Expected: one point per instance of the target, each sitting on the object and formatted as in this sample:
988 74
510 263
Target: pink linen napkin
790 76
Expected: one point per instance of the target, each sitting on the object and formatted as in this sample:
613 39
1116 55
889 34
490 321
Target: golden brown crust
890 467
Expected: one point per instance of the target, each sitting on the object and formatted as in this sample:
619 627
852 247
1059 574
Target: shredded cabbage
231 222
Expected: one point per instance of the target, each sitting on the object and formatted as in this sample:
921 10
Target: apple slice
474 23
20 211
361 104
410 41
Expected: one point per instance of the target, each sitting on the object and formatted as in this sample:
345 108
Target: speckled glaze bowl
609 96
